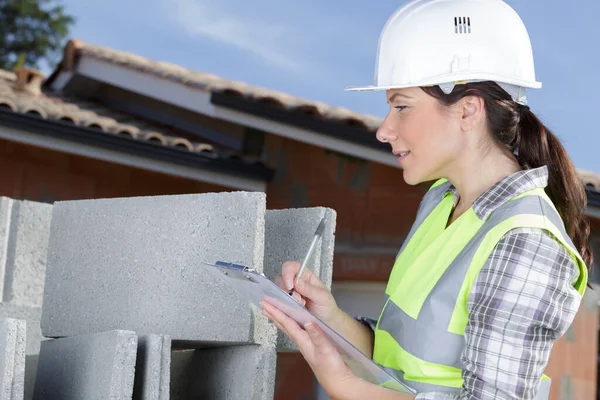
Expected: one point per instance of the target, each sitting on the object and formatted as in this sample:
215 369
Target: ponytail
518 129
537 147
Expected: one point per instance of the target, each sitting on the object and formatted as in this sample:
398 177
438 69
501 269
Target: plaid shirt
521 302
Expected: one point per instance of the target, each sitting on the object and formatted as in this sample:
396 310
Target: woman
494 268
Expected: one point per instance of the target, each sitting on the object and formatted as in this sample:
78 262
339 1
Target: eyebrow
391 99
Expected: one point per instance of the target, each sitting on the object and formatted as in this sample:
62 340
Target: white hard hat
448 42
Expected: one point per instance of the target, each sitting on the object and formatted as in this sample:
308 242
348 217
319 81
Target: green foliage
32 32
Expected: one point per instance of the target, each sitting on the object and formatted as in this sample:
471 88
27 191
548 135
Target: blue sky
314 49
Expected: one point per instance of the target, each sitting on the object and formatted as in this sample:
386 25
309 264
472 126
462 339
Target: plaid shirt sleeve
521 302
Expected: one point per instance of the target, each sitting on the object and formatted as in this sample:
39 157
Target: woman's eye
400 108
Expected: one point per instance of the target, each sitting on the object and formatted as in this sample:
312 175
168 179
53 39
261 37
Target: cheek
427 131
435 142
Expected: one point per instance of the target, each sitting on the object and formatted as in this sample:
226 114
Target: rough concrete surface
24 233
224 373
288 234
12 358
32 317
92 367
6 245
136 264
153 368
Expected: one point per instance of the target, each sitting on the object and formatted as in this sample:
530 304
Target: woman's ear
473 110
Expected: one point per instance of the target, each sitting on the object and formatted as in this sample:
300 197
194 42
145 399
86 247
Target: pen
318 234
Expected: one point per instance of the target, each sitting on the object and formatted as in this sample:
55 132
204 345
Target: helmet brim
456 78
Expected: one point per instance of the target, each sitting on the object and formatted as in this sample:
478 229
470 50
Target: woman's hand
309 291
328 366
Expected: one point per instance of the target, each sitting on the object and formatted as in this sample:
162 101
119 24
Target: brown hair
517 128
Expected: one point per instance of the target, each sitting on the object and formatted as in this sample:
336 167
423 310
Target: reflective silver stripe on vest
431 199
421 387
427 337
542 394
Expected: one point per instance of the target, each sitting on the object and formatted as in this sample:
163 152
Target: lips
401 155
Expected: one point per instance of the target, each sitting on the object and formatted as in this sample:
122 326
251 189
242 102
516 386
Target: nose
386 132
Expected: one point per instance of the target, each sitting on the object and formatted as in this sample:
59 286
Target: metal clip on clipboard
256 287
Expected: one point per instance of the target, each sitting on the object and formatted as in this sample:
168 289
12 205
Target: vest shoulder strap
487 245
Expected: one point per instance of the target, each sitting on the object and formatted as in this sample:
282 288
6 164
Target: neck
476 172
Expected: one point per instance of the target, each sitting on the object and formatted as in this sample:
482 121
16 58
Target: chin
411 179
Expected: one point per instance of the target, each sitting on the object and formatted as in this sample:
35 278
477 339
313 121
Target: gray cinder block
181 376
31 362
153 368
96 366
12 358
24 233
288 234
32 316
235 372
136 264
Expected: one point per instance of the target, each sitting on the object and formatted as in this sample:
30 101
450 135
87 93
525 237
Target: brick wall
38 174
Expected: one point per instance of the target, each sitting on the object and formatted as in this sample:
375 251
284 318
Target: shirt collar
505 189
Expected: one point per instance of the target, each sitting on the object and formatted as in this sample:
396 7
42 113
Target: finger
277 324
322 345
297 297
279 282
291 327
288 273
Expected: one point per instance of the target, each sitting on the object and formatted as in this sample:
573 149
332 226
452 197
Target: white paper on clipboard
256 287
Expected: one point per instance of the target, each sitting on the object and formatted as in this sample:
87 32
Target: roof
213 83
217 84
89 114
88 122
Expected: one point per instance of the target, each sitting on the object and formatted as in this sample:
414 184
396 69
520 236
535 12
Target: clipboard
256 287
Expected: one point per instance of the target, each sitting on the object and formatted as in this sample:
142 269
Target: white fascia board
198 100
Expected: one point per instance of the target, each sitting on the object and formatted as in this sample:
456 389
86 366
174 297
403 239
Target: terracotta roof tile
214 83
88 114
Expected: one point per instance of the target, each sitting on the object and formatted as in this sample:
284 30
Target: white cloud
264 39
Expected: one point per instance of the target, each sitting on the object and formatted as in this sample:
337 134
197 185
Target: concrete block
24 234
235 372
31 363
181 375
136 264
32 316
12 358
288 234
96 366
153 368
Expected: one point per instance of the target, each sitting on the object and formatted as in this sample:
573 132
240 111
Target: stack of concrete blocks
24 234
130 311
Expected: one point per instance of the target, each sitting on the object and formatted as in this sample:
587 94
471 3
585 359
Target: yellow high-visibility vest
420 333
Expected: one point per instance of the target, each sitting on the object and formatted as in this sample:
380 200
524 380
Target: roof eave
124 144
